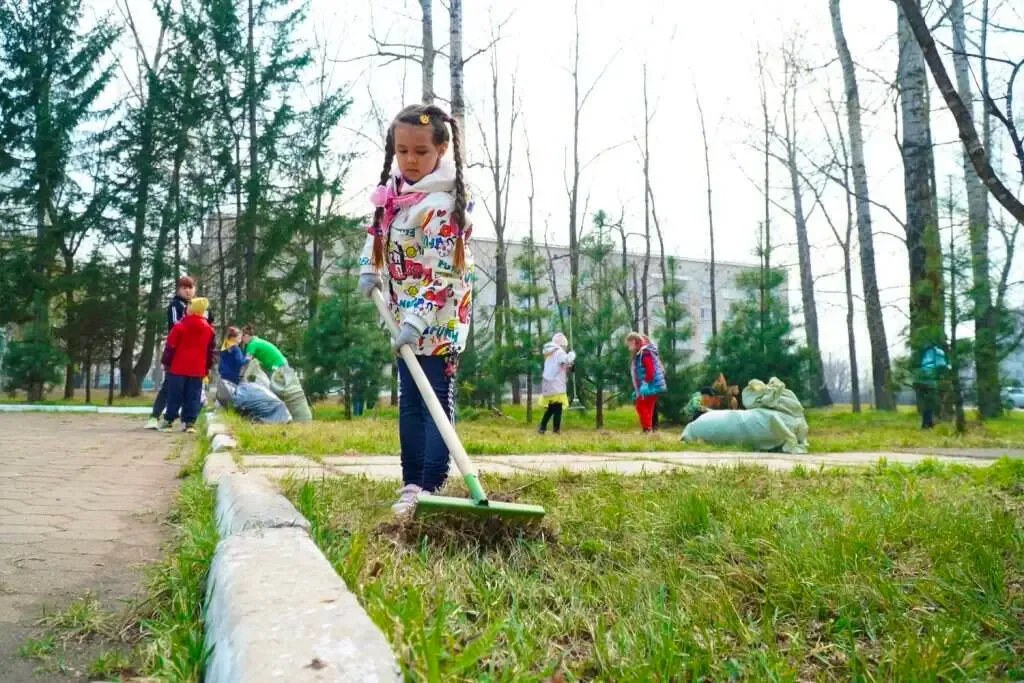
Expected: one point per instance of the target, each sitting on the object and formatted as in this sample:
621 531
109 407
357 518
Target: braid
378 214
459 213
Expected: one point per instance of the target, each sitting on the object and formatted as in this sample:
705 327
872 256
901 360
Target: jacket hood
550 348
442 179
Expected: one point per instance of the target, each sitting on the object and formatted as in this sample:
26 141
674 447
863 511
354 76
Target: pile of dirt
467 531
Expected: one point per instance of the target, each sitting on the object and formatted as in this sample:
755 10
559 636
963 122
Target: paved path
82 501
388 466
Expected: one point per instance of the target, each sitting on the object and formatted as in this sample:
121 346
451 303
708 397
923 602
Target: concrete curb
245 502
275 608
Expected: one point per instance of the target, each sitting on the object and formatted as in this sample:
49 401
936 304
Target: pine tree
601 354
528 318
671 336
744 349
344 348
52 75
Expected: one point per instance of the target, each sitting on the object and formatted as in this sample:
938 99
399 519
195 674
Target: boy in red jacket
188 356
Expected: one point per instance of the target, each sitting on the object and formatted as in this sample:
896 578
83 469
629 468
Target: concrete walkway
82 502
388 466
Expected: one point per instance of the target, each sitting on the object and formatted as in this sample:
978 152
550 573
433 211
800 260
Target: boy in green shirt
269 356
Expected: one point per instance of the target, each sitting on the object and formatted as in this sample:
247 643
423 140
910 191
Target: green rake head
428 504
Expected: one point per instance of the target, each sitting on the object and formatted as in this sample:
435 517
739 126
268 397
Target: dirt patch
468 531
82 501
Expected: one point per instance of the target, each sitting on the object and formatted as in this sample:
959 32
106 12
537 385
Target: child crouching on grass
416 254
189 356
232 359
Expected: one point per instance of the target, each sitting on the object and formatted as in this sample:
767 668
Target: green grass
831 430
38 648
81 619
172 647
111 663
99 398
736 574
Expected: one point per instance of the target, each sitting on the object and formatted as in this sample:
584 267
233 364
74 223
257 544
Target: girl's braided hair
437 118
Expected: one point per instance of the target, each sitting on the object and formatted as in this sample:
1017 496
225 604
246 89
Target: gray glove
369 282
407 335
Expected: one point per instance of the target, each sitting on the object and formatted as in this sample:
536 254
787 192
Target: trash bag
774 419
252 373
259 404
284 382
226 393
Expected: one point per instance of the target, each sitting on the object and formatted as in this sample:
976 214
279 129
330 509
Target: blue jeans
161 398
424 453
183 394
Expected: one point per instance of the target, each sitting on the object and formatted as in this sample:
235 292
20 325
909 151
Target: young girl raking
416 253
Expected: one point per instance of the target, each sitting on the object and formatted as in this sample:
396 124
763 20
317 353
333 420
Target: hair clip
424 119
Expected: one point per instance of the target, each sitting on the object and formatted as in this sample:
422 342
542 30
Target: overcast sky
710 47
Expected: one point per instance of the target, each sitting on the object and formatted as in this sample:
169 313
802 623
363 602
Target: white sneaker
407 499
154 424
165 426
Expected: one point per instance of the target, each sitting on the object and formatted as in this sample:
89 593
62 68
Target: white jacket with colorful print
419 275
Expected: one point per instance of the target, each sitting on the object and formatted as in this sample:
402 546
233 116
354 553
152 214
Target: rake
477 503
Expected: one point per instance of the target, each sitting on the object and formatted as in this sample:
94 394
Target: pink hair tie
379 196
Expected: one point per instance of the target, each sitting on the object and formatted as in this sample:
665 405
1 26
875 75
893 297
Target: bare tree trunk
426 6
168 220
711 220
253 181
110 383
69 303
222 268
851 339
819 386
574 251
88 373
393 399
986 355
637 304
927 318
644 298
455 49
766 229
131 309
954 316
880 366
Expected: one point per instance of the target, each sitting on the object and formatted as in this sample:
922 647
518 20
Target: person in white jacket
557 362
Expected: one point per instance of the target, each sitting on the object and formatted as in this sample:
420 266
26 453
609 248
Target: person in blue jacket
232 359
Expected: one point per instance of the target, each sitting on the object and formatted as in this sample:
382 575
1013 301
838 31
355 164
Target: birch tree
456 63
428 54
789 139
986 360
711 218
880 365
924 249
498 154
916 29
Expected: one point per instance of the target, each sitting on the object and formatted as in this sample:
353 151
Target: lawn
729 574
99 398
831 430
